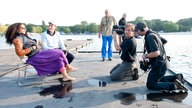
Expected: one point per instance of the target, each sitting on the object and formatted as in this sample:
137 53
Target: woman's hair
12 32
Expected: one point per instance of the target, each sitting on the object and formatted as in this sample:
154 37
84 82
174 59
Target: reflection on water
58 91
129 98
175 97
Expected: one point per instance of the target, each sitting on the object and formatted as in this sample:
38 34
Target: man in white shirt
51 39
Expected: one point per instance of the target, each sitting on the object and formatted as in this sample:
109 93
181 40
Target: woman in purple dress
46 62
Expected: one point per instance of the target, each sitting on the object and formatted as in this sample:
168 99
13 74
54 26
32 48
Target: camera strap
106 21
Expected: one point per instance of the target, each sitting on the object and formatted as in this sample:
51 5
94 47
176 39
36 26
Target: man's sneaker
179 85
103 59
135 74
110 59
180 78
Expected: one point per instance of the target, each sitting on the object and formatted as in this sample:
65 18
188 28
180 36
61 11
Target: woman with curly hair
46 62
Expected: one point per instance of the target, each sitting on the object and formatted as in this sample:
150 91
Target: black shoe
180 78
103 59
110 59
135 74
179 85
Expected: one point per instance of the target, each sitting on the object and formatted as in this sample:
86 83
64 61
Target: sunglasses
23 28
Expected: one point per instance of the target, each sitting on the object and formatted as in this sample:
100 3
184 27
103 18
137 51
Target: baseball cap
52 22
140 26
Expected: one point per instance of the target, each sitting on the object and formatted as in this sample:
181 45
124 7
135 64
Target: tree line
182 25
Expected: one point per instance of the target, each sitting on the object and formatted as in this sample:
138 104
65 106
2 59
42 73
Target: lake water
179 48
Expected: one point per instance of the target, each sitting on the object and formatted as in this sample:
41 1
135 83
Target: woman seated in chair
46 62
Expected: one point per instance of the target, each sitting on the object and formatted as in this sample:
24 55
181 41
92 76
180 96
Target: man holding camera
158 61
127 69
122 23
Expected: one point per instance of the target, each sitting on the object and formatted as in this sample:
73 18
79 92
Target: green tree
43 26
76 29
66 30
185 24
150 23
170 27
3 28
92 28
84 25
140 18
36 29
30 27
157 25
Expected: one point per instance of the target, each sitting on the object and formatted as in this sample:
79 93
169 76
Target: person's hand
144 56
114 35
34 47
114 32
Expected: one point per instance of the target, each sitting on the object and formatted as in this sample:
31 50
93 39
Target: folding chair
23 68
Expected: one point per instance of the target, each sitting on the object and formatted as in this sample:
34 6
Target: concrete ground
85 91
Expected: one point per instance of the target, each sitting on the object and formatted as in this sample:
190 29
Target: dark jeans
158 81
123 70
70 57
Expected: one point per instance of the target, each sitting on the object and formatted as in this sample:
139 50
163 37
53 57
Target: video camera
145 65
119 29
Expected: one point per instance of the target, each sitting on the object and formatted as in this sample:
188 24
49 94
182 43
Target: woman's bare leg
65 75
69 68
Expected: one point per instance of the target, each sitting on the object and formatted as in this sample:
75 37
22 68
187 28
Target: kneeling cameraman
157 58
128 47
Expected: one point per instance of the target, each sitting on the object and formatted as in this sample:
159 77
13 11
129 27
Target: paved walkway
85 92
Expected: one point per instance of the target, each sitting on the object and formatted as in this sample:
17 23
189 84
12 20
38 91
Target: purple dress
48 61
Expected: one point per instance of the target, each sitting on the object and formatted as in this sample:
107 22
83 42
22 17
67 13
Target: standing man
105 29
128 68
156 54
122 23
51 39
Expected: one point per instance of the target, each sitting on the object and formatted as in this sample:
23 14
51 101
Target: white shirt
52 42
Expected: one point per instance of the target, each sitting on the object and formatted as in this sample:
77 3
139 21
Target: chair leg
25 72
21 66
19 75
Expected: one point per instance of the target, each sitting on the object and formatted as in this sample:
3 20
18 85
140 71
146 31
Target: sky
72 12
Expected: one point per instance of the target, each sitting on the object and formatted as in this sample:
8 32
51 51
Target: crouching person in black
157 58
128 47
